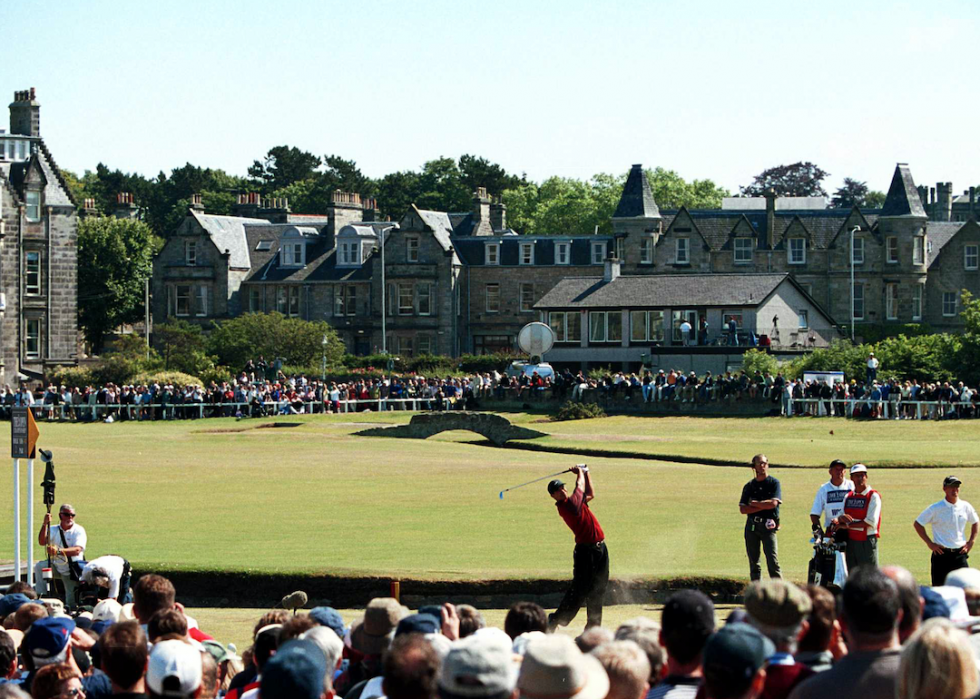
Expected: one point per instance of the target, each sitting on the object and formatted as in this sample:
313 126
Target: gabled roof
903 198
637 198
667 290
440 225
938 234
58 196
228 233
321 260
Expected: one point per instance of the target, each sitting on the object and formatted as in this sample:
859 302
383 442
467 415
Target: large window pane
573 322
638 326
597 326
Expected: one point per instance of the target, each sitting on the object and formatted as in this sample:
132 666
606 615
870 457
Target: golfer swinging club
590 574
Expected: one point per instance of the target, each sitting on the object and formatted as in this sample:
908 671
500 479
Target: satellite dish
536 339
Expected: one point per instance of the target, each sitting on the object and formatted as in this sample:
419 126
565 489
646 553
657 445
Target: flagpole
16 520
30 521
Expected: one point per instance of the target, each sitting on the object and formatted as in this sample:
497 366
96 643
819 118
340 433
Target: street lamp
323 369
851 253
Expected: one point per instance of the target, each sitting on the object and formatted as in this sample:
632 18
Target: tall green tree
182 347
115 258
282 166
851 193
271 335
803 179
671 191
480 172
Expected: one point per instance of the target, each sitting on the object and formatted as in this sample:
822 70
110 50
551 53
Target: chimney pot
612 268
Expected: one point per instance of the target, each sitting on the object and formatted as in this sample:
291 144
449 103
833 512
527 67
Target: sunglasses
67 514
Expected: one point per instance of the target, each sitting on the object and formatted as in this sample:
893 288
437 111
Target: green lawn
219 494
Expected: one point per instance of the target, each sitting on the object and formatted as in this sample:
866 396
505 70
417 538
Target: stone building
38 251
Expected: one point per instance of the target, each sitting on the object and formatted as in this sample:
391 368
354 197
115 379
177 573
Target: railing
881 409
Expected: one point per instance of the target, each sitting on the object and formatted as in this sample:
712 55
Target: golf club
515 487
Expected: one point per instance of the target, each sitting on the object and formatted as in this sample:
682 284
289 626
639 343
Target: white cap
107 610
176 665
858 468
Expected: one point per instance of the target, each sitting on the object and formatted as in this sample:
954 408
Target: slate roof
440 224
472 251
637 198
938 234
656 291
321 262
228 233
716 225
902 198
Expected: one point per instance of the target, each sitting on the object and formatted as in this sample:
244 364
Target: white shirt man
66 537
949 518
112 568
829 500
686 333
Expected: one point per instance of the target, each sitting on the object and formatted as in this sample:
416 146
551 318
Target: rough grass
313 498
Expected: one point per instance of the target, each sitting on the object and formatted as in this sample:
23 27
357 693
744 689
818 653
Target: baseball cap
107 610
689 612
480 665
777 603
734 654
418 623
554 486
48 637
935 604
858 468
329 617
951 480
296 671
11 603
174 669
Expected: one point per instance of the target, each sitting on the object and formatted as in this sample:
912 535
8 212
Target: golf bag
827 568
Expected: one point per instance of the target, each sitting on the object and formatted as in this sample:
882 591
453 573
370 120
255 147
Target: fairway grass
220 494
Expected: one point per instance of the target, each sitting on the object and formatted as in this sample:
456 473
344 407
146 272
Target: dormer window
562 254
646 251
412 248
492 252
598 252
348 253
190 252
293 254
527 253
797 251
743 251
682 251
857 251
33 201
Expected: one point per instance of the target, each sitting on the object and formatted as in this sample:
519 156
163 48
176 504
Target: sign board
23 433
827 377
536 339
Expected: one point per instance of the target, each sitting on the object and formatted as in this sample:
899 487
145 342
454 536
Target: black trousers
590 576
945 563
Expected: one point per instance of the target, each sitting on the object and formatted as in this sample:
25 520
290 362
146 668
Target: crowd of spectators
884 637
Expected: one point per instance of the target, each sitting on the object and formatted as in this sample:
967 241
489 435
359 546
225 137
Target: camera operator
65 544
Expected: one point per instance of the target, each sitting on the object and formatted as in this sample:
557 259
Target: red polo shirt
579 518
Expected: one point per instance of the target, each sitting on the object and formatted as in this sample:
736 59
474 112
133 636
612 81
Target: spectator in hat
263 649
297 671
333 649
370 636
329 617
645 633
480 666
937 664
65 544
816 647
780 611
11 602
688 620
554 667
910 595
58 680
870 614
523 617
627 668
734 662
862 520
123 652
949 518
174 670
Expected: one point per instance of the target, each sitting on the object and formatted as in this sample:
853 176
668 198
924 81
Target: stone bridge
494 427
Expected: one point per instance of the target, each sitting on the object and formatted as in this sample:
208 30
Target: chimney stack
498 215
125 207
611 270
973 199
770 218
944 194
247 205
88 208
25 114
481 212
196 204
371 211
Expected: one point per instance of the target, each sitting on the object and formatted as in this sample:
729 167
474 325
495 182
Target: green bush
175 378
578 411
217 374
271 335
71 376
755 361
483 363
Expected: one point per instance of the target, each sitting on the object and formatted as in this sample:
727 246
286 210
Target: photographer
65 544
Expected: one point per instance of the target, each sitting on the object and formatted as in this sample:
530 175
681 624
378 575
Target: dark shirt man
687 622
870 614
760 501
590 573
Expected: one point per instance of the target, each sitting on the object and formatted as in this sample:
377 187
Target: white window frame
525 292
424 292
563 253
857 247
32 336
971 257
742 251
190 253
891 250
346 300
201 301
919 250
32 288
858 301
645 325
646 251
796 251
492 254
917 296
406 298
348 253
412 248
32 201
563 326
526 254
604 327
598 252
620 249
949 304
891 301
492 297
682 250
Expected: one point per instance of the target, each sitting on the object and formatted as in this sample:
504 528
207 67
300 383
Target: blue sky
718 90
